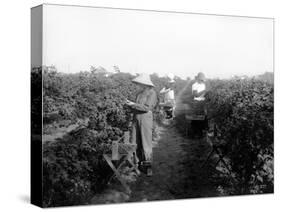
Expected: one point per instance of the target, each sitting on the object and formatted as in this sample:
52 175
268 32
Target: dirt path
176 170
177 173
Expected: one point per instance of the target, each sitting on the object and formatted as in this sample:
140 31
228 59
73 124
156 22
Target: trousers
142 136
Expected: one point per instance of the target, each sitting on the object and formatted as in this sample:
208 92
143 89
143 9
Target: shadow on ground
177 171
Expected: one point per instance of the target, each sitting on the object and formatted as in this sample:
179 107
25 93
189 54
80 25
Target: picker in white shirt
169 95
198 105
199 87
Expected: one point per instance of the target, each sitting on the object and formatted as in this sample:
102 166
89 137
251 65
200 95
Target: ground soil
177 171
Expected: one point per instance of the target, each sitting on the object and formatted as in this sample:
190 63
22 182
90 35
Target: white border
15 104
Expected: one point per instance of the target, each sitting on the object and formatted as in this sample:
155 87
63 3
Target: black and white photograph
131 105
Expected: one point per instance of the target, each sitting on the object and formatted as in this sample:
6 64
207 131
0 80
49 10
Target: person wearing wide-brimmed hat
146 101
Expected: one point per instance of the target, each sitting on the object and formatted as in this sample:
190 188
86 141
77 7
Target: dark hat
200 76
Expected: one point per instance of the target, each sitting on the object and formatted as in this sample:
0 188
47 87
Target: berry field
85 112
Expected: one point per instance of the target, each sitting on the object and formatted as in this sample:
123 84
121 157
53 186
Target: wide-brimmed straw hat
200 76
143 79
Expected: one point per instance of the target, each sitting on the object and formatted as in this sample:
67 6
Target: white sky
154 42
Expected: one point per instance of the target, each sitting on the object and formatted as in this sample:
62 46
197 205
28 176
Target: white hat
171 77
143 79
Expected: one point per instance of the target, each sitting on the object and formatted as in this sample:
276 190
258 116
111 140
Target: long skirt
199 108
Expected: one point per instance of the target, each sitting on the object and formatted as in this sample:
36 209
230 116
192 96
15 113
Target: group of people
142 108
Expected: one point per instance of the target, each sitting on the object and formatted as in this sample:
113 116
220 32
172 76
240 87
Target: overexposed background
15 106
155 42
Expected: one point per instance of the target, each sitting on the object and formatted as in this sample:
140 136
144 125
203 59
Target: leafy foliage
73 167
243 112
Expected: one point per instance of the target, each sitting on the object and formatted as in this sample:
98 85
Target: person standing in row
146 101
198 94
199 87
169 97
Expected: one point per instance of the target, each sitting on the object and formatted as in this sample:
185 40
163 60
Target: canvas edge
36 172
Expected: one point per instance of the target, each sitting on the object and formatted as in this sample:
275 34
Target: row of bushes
73 167
242 109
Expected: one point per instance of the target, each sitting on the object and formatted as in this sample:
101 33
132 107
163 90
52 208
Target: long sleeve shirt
169 96
199 87
146 101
